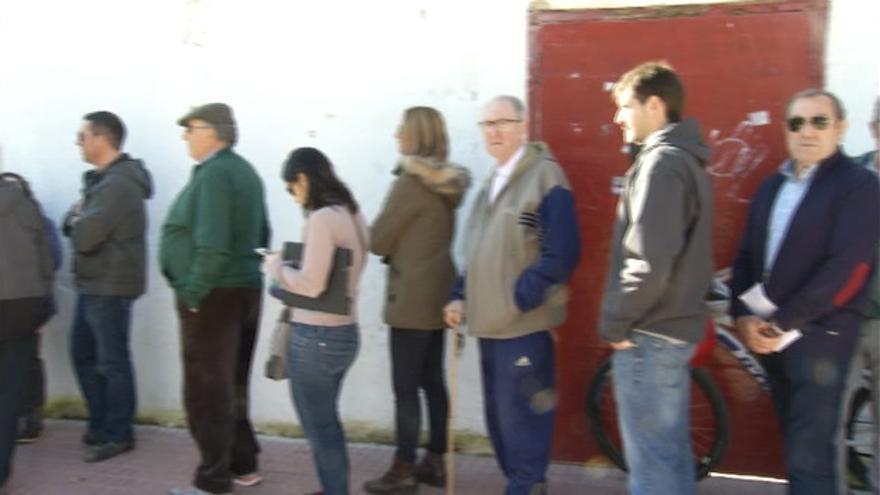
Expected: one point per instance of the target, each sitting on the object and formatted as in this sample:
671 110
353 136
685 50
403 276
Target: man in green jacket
207 255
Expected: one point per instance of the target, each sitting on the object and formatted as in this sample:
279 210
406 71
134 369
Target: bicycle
710 417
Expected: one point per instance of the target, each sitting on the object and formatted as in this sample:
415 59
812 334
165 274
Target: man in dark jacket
799 282
107 230
207 255
25 291
659 273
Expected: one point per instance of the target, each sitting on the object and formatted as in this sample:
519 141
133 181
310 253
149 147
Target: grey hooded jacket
108 235
661 262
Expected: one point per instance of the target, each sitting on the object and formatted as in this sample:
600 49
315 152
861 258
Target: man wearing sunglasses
809 247
107 230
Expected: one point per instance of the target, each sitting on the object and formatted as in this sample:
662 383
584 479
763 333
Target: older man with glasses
522 244
799 282
207 255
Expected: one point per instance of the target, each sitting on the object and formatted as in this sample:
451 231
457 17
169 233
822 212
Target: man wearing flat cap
207 255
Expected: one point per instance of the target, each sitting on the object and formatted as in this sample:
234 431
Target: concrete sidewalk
165 457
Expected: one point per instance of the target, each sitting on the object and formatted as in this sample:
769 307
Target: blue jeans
520 404
317 359
99 344
807 382
652 390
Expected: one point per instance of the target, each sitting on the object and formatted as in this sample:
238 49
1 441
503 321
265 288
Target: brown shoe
398 480
432 470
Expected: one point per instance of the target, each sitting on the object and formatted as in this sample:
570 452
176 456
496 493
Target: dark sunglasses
819 122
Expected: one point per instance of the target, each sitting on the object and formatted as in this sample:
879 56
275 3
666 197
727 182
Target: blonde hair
425 132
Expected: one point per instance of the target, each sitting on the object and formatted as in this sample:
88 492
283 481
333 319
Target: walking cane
450 430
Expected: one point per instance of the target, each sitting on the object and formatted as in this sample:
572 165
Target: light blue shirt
786 204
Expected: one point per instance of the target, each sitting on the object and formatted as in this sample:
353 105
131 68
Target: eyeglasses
191 128
819 122
497 124
81 136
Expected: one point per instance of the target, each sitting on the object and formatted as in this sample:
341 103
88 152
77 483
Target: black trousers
15 355
218 345
35 394
417 363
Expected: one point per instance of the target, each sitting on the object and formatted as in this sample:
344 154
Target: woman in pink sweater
322 345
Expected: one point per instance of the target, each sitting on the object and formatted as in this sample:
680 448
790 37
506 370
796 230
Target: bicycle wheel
860 431
710 420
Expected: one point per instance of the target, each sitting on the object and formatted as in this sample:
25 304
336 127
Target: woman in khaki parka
414 233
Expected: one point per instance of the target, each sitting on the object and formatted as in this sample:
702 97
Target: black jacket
818 278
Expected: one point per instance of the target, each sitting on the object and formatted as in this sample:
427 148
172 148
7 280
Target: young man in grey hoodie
660 270
107 230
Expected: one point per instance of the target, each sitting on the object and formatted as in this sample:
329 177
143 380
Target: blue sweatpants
520 401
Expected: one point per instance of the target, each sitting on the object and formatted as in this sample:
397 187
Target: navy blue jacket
818 278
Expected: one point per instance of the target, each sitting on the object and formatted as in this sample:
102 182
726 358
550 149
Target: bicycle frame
742 354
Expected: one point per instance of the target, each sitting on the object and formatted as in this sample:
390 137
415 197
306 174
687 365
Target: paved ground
165 457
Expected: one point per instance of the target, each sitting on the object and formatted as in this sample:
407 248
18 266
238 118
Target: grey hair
228 133
514 102
839 111
875 115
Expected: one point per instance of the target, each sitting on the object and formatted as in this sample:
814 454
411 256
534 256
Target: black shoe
29 428
90 438
28 435
104 451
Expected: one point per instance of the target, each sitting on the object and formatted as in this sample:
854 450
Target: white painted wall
852 66
335 75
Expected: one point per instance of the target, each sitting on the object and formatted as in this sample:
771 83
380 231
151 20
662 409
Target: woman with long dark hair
322 345
414 234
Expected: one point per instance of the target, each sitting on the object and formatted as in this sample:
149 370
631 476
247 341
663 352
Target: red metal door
739 63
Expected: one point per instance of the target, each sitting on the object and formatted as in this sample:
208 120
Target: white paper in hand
757 301
788 338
